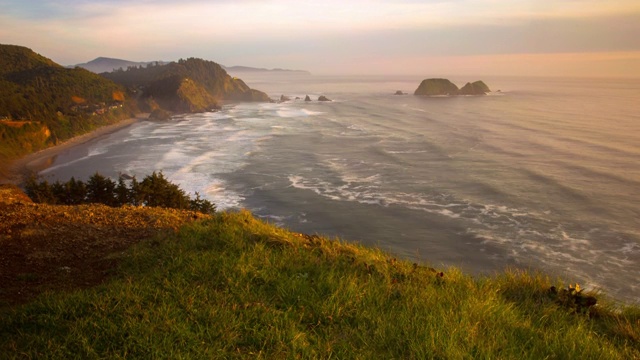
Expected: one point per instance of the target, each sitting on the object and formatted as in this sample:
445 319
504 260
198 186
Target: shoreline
19 169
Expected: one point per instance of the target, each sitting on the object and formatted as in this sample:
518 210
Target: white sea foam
287 112
514 230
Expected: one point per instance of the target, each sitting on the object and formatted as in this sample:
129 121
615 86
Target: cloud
263 32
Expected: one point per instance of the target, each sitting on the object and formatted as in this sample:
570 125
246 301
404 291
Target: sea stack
436 87
444 87
475 88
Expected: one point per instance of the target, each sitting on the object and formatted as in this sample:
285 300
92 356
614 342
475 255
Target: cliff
191 85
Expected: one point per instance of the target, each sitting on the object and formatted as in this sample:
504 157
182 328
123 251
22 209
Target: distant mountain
191 85
104 64
42 103
247 69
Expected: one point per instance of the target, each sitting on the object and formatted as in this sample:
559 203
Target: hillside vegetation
43 103
231 286
190 85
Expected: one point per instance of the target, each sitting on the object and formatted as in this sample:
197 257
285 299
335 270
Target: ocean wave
296 113
527 237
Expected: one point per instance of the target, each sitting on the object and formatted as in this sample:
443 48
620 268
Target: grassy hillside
232 286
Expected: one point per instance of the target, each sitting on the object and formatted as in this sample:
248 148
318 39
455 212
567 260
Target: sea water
543 174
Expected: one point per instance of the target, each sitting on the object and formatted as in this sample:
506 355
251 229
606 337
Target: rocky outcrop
436 87
284 98
307 98
324 98
191 85
475 88
399 92
255 96
444 87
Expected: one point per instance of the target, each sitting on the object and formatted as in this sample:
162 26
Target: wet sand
19 169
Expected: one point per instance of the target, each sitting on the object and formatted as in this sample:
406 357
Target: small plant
573 298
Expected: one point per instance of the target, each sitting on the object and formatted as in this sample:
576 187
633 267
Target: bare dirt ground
57 248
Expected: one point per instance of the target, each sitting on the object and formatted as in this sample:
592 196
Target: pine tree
101 189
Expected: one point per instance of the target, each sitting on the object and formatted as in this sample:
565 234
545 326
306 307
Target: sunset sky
478 37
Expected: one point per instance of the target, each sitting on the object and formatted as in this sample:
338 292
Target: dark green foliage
101 190
158 191
573 298
122 193
76 191
40 192
154 190
203 205
135 193
58 103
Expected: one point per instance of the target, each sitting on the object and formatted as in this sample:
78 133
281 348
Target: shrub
154 190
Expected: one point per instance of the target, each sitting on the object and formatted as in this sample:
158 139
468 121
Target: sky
594 38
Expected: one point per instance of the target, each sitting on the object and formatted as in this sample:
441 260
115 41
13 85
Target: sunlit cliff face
518 37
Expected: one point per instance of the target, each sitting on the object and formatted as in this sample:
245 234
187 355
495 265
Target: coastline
19 169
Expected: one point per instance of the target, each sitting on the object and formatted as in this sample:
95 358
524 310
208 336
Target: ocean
542 175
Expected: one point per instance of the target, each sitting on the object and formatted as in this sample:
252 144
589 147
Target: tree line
154 190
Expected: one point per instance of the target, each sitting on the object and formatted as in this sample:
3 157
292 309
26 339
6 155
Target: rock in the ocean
323 98
435 87
399 92
284 98
307 98
475 88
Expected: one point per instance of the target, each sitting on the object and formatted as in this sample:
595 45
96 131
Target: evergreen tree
158 191
39 192
154 190
101 189
59 192
136 194
202 205
122 192
76 192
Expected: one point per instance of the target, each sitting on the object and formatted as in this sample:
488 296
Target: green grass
235 287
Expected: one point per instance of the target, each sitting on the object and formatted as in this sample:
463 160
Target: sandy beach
38 161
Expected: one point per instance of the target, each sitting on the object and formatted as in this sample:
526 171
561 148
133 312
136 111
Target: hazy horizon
573 38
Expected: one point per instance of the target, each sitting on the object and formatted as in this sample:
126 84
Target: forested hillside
190 85
43 103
